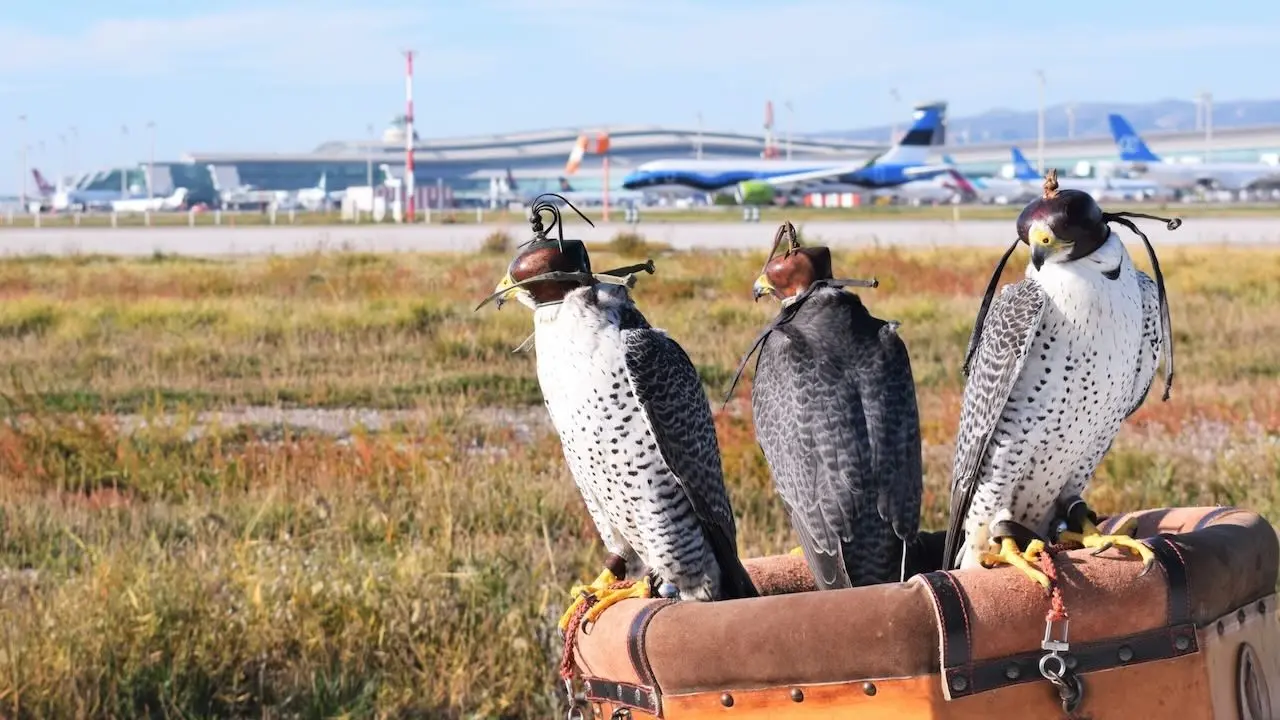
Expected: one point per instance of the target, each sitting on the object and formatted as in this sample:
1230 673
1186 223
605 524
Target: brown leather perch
879 649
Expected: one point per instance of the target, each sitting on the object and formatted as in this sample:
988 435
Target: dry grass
182 568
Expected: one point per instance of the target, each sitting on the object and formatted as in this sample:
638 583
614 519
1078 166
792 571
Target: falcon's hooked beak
762 287
508 284
1043 244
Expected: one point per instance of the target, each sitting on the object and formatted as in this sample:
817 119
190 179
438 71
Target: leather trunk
1196 637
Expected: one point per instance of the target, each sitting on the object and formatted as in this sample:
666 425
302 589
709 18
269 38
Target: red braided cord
1057 609
575 623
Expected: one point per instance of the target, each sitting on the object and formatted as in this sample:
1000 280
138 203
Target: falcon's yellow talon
579 593
1010 555
1122 538
609 598
796 551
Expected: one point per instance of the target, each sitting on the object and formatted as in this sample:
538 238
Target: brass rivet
1126 653
726 699
869 688
1012 671
1182 642
797 694
959 683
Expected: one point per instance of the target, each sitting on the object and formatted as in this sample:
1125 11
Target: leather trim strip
1159 644
638 652
952 612
620 693
1175 572
1212 515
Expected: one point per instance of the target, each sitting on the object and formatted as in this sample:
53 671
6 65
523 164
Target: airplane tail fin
1022 169
565 186
1130 144
511 181
926 131
41 184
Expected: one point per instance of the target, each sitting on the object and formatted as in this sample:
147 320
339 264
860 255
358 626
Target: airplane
900 164
509 190
62 198
995 190
243 196
318 197
1099 187
1186 176
152 204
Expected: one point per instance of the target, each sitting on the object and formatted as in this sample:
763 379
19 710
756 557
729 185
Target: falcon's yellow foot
1010 555
796 551
607 598
1122 538
580 593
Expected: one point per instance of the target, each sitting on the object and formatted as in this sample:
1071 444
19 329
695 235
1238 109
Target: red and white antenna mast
409 195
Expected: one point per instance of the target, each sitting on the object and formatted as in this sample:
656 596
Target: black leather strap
635 697
951 608
1213 515
1020 533
1159 644
1175 571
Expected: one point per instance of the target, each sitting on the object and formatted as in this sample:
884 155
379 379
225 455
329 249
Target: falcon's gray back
835 413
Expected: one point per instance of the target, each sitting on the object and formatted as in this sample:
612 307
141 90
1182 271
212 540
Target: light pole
62 159
1071 121
151 159
1040 125
22 139
791 117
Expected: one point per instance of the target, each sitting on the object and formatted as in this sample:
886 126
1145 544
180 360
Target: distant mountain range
1002 125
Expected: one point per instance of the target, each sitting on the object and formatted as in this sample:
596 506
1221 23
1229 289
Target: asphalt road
229 241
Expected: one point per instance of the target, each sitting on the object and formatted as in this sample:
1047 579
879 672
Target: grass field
158 560
768 215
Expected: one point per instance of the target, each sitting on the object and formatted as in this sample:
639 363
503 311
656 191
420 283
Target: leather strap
1213 515
1159 644
961 676
1175 571
636 641
622 694
646 696
1020 533
951 609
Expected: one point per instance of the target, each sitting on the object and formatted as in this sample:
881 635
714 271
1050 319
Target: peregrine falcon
1054 367
834 407
636 429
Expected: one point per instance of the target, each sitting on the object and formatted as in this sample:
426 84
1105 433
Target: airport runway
231 241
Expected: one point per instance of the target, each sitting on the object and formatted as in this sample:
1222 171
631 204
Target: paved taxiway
228 241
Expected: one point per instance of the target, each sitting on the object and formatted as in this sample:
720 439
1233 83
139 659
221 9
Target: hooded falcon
636 429
834 407
1054 367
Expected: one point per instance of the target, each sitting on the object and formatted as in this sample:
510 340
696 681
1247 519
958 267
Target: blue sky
289 74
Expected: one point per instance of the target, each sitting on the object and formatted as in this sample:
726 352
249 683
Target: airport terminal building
463 167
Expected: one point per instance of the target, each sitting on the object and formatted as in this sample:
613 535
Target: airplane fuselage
1225 176
713 175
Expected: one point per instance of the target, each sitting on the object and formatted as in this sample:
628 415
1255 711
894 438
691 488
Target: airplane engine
754 192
